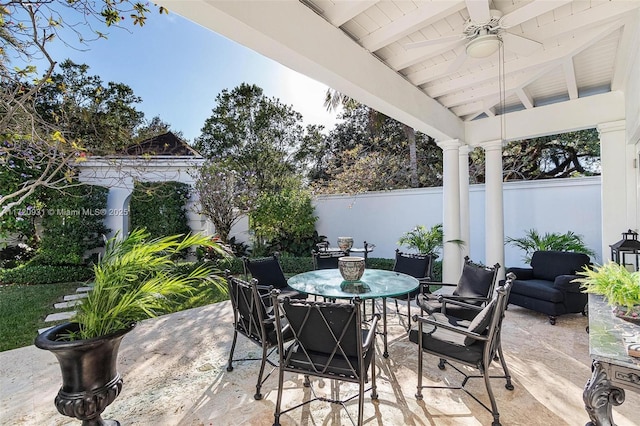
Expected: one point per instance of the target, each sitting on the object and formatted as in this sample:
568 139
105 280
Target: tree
102 117
369 151
225 195
35 149
254 133
557 156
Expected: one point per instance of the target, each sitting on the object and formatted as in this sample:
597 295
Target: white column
465 231
117 219
494 211
451 259
619 185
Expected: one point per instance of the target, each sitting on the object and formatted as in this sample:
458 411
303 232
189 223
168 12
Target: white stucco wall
558 205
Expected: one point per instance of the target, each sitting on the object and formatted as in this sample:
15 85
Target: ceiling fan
483 38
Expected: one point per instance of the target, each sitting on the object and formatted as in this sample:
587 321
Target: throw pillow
481 321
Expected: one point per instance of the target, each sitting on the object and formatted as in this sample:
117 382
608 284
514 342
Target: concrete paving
174 370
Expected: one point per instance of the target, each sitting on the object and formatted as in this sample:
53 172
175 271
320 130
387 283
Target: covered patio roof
567 65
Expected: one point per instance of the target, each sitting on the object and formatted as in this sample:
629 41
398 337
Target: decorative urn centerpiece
135 279
619 286
345 243
351 267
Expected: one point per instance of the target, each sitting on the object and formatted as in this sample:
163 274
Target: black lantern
628 247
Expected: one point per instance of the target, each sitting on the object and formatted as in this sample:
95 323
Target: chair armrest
566 283
521 273
456 329
372 332
460 301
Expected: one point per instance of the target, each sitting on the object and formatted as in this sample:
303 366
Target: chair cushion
444 341
474 282
481 322
538 289
547 265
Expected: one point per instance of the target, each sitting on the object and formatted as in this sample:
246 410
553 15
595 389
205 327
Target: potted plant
136 279
619 286
426 241
533 241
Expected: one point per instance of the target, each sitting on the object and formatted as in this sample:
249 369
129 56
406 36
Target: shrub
45 274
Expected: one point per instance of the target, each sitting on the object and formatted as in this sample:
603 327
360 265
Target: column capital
465 149
449 144
495 145
611 126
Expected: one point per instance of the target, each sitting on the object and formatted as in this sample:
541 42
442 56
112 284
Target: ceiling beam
324 53
630 37
531 10
343 11
570 77
425 15
582 113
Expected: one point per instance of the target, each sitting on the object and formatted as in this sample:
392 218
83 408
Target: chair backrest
501 299
476 280
249 312
266 270
417 265
326 335
326 259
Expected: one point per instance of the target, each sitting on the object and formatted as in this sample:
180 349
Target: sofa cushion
547 265
538 289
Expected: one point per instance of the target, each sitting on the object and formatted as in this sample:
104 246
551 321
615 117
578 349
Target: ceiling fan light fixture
483 46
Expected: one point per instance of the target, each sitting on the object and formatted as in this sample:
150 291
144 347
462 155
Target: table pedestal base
600 395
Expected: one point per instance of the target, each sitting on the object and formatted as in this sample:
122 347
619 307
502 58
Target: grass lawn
23 309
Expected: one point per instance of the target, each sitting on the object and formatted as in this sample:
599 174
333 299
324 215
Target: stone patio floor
174 374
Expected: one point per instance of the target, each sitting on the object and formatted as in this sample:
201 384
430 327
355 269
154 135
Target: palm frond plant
534 241
619 286
137 279
426 240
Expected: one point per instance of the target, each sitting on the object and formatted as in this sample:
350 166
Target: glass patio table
375 283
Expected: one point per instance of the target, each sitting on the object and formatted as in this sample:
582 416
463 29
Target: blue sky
178 67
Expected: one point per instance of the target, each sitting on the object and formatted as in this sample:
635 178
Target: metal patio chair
329 342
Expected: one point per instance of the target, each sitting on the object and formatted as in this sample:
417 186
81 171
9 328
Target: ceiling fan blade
520 45
478 10
457 63
447 39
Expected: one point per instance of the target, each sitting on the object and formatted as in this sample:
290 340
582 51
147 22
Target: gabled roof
167 144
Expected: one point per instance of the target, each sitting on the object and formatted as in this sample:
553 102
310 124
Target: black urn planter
90 380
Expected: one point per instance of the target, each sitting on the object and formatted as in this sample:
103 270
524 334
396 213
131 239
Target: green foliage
256 134
73 223
45 274
368 151
286 220
23 310
101 116
137 279
533 241
160 207
617 284
426 241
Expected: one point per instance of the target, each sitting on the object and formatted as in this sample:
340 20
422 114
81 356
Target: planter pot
351 267
631 315
90 380
345 243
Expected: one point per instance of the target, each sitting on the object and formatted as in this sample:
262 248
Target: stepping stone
67 304
83 289
60 316
74 297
